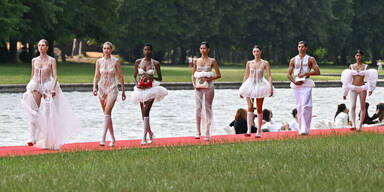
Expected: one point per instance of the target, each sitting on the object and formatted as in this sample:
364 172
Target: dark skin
146 65
312 64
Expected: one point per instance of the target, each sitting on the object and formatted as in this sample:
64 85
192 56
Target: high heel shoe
111 144
102 143
197 136
150 137
258 135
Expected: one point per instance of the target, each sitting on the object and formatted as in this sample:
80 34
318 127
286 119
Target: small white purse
201 84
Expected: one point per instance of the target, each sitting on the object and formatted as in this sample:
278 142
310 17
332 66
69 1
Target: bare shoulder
156 62
213 60
312 59
266 62
137 61
292 60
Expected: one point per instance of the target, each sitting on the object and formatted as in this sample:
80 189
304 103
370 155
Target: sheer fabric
53 121
256 86
107 85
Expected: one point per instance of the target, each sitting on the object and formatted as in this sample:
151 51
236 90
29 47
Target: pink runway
181 141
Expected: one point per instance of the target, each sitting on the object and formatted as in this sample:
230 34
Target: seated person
378 117
240 122
367 120
294 125
341 118
272 126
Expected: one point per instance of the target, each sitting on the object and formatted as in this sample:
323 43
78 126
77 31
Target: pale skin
256 65
203 61
312 64
107 105
43 48
146 65
358 80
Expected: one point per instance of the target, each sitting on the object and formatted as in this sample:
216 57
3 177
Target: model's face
42 47
358 57
107 50
204 49
147 51
256 52
346 110
301 48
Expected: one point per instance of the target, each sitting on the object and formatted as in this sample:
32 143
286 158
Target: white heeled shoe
111 144
102 143
197 136
258 135
206 138
144 141
151 135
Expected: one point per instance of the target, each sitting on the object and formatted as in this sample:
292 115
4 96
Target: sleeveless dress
53 122
370 77
107 85
155 92
256 86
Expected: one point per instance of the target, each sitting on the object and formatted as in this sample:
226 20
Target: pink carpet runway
180 141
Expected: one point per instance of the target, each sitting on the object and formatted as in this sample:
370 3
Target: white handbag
201 84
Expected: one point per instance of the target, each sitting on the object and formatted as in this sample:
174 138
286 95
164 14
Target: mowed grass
339 163
17 73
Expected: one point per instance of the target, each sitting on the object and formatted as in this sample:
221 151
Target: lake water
172 117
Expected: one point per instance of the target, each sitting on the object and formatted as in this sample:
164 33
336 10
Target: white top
341 120
301 65
149 71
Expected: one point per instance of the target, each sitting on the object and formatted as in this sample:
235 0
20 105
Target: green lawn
339 163
83 73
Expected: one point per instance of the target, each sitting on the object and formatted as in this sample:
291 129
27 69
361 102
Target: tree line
333 29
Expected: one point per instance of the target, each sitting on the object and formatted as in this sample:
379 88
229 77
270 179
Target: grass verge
338 163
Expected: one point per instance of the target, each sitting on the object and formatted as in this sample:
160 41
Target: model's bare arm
121 79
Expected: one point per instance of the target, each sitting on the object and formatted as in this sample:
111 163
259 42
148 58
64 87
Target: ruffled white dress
370 78
53 122
155 92
256 86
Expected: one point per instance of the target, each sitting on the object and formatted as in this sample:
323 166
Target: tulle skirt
53 122
256 89
155 92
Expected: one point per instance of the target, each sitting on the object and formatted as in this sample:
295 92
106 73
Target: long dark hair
380 107
266 114
340 108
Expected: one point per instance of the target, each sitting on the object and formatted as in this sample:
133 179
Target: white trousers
352 113
206 120
304 108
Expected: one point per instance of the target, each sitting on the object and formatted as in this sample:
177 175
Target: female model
106 68
202 80
353 82
147 90
50 118
255 86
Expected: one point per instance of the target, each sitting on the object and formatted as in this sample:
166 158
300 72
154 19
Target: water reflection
172 117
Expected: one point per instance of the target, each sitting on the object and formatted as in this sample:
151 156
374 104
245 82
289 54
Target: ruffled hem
200 74
54 121
155 92
256 90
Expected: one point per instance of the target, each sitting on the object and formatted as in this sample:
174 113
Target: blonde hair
241 113
44 41
108 43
